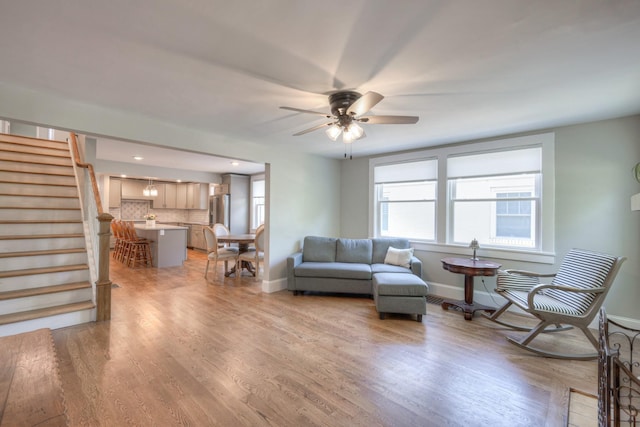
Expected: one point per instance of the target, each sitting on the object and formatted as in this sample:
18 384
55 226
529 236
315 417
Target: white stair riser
39 229
22 245
40 280
36 158
37 190
39 214
36 168
39 202
44 301
33 149
36 179
40 261
52 322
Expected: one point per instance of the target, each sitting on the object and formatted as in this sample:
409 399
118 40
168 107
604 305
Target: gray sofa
328 264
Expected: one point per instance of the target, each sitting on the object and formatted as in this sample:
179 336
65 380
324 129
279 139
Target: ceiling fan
347 109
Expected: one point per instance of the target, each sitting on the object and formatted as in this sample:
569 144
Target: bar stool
139 248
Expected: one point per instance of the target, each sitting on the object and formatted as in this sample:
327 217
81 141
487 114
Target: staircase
44 273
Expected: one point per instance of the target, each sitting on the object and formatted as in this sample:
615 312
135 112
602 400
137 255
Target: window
493 191
494 198
257 202
406 198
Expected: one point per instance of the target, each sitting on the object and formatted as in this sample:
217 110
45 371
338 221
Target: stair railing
103 283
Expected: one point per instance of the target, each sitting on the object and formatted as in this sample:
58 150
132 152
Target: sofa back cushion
319 249
381 246
354 251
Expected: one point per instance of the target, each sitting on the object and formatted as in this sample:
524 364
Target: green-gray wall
593 185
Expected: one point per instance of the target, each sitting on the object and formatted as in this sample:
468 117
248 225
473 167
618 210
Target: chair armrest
529 273
292 262
416 266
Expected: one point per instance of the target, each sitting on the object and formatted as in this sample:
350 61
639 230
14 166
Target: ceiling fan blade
328 116
389 120
302 132
365 103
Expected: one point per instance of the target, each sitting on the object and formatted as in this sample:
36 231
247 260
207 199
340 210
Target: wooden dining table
243 241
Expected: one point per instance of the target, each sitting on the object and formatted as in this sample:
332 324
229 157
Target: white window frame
545 253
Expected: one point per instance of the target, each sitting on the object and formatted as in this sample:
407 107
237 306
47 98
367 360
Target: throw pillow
401 257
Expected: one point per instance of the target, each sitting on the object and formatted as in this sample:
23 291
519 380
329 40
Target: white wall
304 190
592 208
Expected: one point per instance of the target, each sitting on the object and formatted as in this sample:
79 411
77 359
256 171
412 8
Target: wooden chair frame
548 302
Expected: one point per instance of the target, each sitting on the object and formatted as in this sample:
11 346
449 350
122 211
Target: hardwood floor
182 350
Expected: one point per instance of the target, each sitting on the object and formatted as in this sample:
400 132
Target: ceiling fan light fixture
333 132
352 133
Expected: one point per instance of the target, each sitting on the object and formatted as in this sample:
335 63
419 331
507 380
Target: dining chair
221 230
216 253
255 255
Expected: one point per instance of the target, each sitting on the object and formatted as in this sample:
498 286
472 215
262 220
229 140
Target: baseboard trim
270 286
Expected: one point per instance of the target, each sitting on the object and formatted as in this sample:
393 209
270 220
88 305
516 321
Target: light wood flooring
182 350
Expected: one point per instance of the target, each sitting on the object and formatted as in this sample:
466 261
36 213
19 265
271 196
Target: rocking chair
573 298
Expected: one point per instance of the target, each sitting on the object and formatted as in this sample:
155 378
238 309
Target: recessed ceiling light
123 176
179 180
138 158
235 163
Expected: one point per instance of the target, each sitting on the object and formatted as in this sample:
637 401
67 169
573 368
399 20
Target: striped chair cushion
584 270
541 302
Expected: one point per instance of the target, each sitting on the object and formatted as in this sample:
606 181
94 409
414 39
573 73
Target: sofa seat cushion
388 268
393 284
341 270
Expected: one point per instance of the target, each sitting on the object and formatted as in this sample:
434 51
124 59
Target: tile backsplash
135 210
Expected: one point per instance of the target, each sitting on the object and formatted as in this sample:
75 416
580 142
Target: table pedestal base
468 308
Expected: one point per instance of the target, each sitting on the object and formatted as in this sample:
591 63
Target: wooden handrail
89 166
103 285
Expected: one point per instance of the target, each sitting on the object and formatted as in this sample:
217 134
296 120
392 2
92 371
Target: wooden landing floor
30 389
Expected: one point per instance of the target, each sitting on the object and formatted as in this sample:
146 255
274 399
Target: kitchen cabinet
133 189
166 198
197 195
181 196
197 237
115 188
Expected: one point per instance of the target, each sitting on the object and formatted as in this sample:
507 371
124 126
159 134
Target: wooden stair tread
45 312
43 163
31 392
49 184
41 236
47 208
43 252
40 221
24 149
42 270
50 196
44 290
69 174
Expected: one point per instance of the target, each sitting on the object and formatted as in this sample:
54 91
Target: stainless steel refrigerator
219 209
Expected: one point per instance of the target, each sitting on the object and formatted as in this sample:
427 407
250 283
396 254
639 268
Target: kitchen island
168 243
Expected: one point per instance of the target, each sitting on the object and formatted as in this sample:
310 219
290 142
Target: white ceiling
469 69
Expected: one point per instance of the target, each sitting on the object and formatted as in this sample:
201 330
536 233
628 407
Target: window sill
513 255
